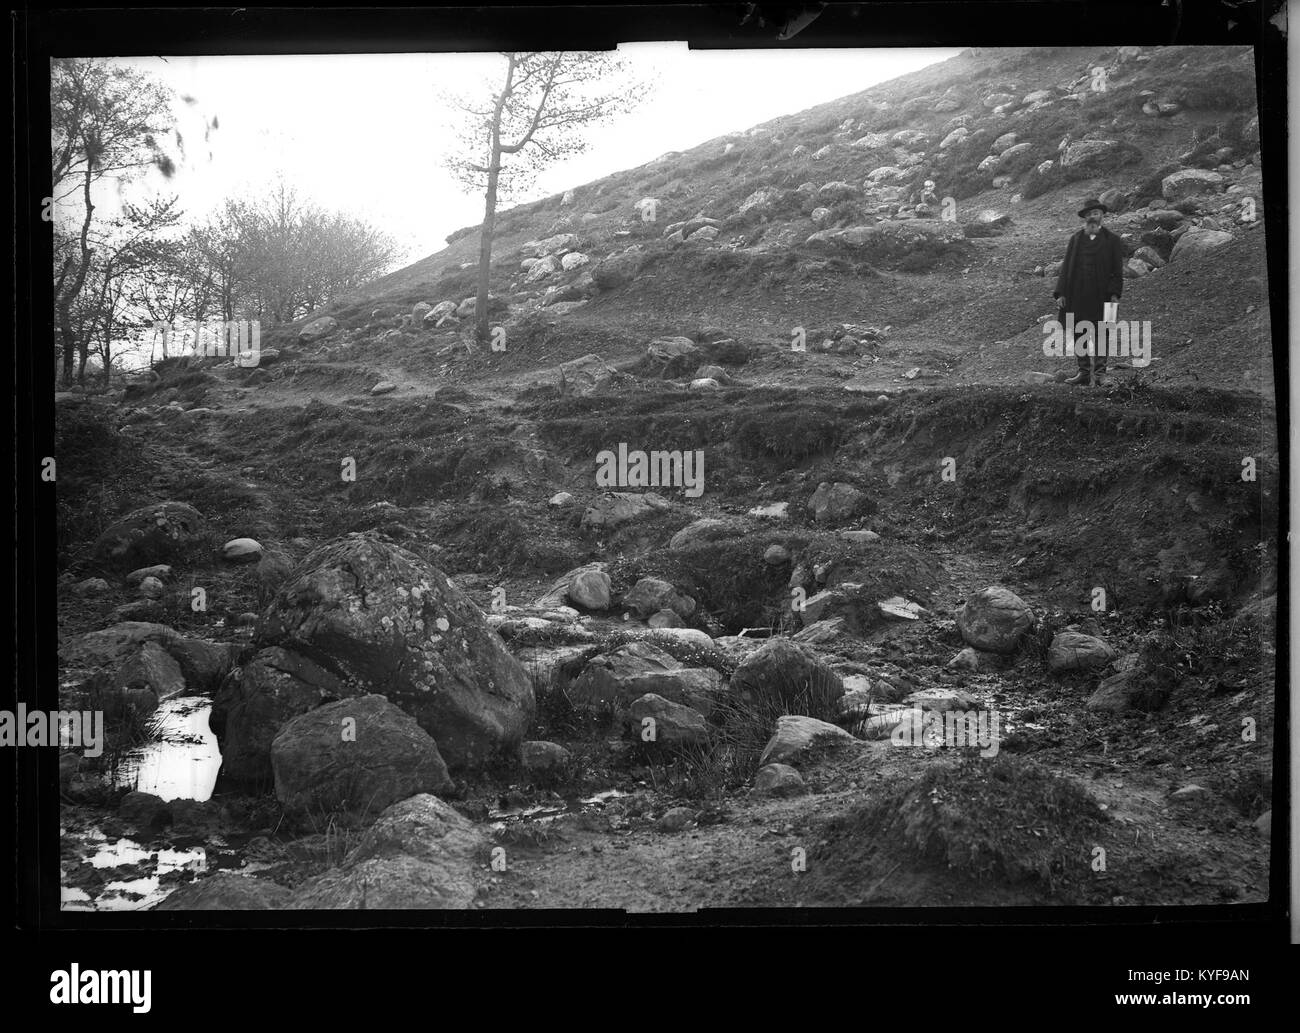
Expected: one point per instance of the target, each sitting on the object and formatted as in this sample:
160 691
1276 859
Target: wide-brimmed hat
1089 205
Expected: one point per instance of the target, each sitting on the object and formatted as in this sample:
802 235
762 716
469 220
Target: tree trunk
485 254
63 304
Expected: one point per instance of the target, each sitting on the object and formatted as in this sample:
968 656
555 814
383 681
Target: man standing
1092 274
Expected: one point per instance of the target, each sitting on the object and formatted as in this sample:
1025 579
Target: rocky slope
549 690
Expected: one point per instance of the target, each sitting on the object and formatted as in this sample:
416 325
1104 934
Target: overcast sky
363 133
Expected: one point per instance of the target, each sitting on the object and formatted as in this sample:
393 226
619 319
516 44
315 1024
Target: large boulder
150 535
784 671
355 755
994 619
419 854
385 620
1075 651
249 711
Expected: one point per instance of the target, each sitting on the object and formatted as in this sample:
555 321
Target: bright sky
363 133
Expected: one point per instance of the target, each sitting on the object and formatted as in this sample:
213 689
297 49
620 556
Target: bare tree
534 119
106 120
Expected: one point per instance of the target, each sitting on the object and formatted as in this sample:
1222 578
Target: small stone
778 780
151 588
665 619
1264 824
242 550
541 757
676 819
775 555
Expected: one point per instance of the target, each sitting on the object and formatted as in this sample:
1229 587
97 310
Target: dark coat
1110 266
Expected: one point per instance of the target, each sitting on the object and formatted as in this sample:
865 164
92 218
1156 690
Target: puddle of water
183 760
129 894
550 810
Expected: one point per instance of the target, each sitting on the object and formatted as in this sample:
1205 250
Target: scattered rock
150 535
318 329
92 586
674 724
651 594
241 550
543 758
161 571
994 620
1198 241
665 619
590 589
1189 183
613 509
707 529
776 555
151 588
1073 651
794 734
832 503
778 780
676 819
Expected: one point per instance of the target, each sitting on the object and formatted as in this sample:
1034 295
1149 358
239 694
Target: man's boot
1080 379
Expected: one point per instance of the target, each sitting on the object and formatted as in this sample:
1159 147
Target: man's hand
1060 302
